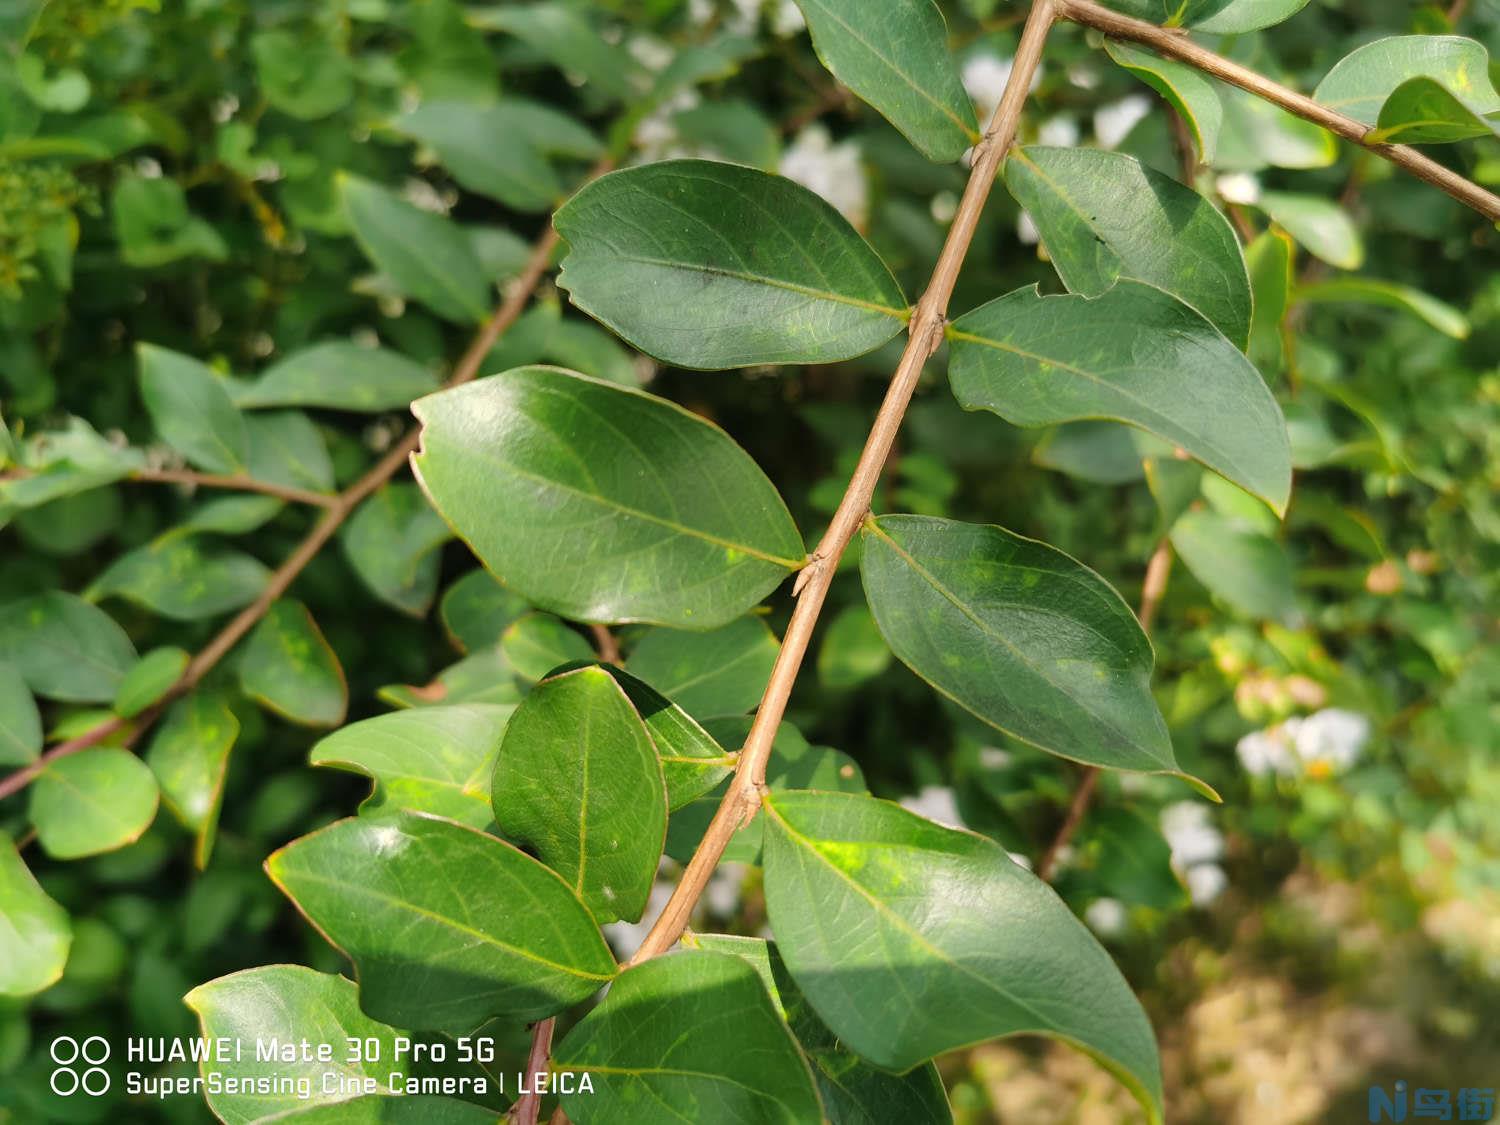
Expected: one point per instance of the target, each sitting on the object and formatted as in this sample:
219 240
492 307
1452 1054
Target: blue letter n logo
1383 1107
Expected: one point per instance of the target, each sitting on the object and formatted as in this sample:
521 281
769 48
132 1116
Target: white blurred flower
425 197
651 53
1238 187
722 895
994 758
1190 835
936 803
1113 122
833 171
1106 916
700 12
1333 737
1060 130
1026 229
1266 751
656 136
1083 76
1205 882
985 76
787 19
943 207
745 18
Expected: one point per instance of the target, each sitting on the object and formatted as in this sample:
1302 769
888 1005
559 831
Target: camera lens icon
78 1066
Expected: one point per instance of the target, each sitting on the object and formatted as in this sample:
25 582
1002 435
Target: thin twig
237 482
605 644
1152 590
742 801
342 507
1457 11
529 1105
1174 44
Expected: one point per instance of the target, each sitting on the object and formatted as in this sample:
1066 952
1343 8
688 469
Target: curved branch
238 482
925 333
1176 45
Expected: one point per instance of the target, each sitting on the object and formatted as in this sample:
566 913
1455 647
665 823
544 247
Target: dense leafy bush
483 408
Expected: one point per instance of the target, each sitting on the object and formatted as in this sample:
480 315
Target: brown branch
1155 585
340 508
925 332
529 1105
1457 11
237 482
1176 45
605 644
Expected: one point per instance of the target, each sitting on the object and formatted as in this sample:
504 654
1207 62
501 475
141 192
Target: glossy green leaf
92 801
286 448
1416 89
288 667
446 926
36 934
1170 13
1246 568
476 609
562 33
1270 260
192 410
910 939
853 650
536 643
1105 216
1319 225
578 782
682 526
1257 134
721 672
64 647
1389 294
433 760
709 265
484 676
1240 16
692 762
1028 639
894 55
427 256
1133 355
67 462
180 579
1189 92
694 1036
400 1109
342 376
287 1004
1100 452
230 515
392 543
501 150
189 755
20 722
852 1091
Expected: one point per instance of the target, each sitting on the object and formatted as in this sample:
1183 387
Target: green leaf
287 1004
536 643
149 680
303 75
177 578
1133 355
342 376
852 1091
392 543
446 926
1320 225
20 722
692 763
1028 639
501 150
427 256
288 667
1257 134
92 801
155 228
1170 13
1374 291
1246 568
1100 452
434 759
192 410
476 609
1240 16
710 266
484 676
64 647
230 515
286 448
66 463
400 1109
36 936
561 33
693 1035
853 650
1105 216
1188 91
684 528
894 55
721 672
1416 89
578 782
940 941
190 755
1270 260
